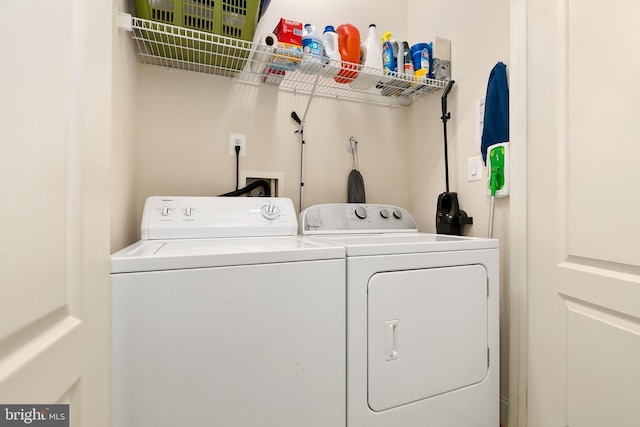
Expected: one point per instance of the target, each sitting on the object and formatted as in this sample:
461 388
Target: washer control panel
337 218
202 217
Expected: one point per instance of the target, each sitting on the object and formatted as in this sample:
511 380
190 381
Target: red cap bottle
349 47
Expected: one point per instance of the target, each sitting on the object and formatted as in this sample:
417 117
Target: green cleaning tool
497 176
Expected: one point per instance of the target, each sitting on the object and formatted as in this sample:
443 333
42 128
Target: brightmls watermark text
34 415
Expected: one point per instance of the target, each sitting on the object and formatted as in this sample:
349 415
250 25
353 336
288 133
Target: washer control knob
166 210
270 211
397 214
384 214
188 211
361 212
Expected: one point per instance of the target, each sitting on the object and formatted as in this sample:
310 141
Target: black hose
256 184
237 148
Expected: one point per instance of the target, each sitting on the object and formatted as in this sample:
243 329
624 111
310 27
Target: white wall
124 216
184 121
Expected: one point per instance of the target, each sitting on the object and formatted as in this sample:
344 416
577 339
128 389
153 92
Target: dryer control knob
188 211
361 212
397 214
166 210
384 214
270 211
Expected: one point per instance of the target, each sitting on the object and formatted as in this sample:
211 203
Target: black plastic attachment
450 219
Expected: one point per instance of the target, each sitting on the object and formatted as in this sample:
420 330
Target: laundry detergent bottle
313 47
332 54
371 51
349 47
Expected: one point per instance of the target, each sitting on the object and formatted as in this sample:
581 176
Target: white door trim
518 237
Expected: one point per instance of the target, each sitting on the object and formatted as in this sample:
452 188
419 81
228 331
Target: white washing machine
422 319
223 316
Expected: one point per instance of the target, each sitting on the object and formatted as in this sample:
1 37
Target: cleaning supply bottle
388 61
332 54
313 48
371 51
397 55
421 54
349 47
407 60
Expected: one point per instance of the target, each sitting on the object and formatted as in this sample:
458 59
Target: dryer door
427 333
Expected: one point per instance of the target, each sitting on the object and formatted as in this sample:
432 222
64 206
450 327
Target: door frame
518 233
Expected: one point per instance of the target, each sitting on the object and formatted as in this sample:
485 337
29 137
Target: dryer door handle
391 341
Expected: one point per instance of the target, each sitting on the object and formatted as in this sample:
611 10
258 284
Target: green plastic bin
235 19
229 18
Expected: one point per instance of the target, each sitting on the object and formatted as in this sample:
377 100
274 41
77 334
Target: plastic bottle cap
420 72
329 28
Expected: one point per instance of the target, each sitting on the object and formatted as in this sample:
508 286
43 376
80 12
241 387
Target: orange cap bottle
349 47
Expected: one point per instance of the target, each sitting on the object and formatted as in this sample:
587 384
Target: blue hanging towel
496 110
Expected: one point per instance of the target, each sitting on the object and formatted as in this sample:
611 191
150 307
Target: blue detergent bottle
313 48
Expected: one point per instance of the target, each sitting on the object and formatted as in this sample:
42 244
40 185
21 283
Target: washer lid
158 255
389 244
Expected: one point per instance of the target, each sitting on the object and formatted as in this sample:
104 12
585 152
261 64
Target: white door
427 333
584 201
55 127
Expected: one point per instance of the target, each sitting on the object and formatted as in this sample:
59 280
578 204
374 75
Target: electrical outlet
237 139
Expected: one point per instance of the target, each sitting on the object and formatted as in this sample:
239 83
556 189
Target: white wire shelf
181 48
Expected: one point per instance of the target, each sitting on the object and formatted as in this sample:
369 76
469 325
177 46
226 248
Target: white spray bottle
371 51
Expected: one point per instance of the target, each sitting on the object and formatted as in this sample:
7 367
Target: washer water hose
261 183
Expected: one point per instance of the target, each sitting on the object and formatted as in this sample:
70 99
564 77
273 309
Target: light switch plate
474 168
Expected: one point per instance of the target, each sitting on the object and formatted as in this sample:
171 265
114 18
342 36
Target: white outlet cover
241 139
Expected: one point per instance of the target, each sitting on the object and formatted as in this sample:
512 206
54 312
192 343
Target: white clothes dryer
422 319
223 316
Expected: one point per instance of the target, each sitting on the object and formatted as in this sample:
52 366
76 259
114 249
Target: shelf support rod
302 141
313 91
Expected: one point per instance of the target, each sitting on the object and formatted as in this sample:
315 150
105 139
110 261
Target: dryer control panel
337 218
202 217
